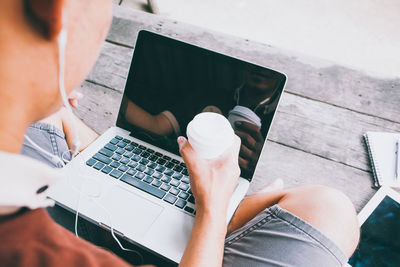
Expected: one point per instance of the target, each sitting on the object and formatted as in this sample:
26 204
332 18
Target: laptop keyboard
148 170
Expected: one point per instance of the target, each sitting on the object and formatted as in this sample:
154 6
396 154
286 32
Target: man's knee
328 210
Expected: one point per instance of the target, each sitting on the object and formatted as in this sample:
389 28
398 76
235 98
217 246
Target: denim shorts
275 237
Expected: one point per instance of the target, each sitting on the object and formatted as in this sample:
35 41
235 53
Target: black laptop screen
169 82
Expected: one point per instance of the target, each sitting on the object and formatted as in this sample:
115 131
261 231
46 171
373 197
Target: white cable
62 43
53 157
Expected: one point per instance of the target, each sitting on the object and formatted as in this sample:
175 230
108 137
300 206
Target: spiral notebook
382 153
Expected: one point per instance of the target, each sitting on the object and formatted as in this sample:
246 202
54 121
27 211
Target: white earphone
62 43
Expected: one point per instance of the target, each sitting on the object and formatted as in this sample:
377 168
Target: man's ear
46 15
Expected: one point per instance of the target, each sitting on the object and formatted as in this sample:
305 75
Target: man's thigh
276 237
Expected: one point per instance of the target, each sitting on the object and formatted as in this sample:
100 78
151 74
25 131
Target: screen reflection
170 82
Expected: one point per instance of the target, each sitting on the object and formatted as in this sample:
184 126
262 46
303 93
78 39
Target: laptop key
157 175
183 195
170 198
169 172
135 158
156 183
128 154
116 157
120 151
106 152
143 186
174 182
124 161
148 179
91 162
141 167
191 199
129 147
144 161
186 180
116 174
142 147
160 168
189 209
158 154
114 141
161 161
134 144
185 172
153 158
183 164
177 176
126 140
180 203
149 171
122 144
131 172
98 166
152 165
115 164
174 191
106 169
184 187
110 147
119 137
178 168
145 154
166 157
137 151
139 175
166 179
165 187
102 158
123 168
169 165
175 161
132 164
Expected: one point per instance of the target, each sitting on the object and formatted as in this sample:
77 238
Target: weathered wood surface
317 133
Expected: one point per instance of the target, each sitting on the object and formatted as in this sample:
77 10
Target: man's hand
252 143
73 98
212 181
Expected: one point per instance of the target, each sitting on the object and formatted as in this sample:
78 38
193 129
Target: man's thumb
185 149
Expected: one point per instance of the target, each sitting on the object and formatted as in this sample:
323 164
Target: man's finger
186 151
243 163
250 128
247 139
245 152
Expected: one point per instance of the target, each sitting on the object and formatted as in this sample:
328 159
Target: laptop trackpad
130 213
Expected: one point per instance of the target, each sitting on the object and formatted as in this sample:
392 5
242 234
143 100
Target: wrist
213 216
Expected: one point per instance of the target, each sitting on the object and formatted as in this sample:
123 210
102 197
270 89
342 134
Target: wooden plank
99 108
310 77
112 66
298 168
328 131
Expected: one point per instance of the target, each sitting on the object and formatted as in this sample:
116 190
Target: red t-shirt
32 238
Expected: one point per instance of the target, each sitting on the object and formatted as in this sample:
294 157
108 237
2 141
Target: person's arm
212 183
158 124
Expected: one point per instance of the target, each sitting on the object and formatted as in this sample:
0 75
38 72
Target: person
305 226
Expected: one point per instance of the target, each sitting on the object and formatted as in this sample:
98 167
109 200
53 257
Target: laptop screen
170 82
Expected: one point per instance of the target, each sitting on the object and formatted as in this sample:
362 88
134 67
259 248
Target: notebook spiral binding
375 167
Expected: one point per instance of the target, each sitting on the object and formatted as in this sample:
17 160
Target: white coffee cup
241 113
210 134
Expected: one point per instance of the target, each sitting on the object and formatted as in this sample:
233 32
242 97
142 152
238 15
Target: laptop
132 178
